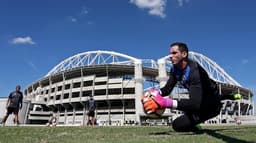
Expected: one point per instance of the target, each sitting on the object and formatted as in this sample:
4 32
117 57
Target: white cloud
22 40
156 7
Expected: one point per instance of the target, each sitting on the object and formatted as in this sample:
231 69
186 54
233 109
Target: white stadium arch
92 58
98 58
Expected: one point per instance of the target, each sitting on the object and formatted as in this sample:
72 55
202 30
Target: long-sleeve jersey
203 92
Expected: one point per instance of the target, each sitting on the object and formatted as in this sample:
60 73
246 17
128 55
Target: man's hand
150 105
152 100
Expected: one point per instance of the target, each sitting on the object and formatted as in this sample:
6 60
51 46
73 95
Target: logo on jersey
182 76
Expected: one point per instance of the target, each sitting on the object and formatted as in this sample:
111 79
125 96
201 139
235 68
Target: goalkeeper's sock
199 127
237 96
234 96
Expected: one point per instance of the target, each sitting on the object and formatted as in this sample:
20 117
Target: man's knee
178 126
184 123
175 126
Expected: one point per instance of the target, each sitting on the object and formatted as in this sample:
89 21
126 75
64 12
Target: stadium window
59 88
128 91
86 93
102 105
53 89
67 86
101 83
100 92
102 113
116 113
30 90
79 108
128 77
116 104
66 95
129 112
57 97
75 94
77 85
79 114
88 83
114 91
129 104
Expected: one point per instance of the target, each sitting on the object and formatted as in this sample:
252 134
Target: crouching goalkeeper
204 99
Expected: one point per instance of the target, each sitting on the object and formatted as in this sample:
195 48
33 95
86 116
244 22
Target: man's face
176 56
17 88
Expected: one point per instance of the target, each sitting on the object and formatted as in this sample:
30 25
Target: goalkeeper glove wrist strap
170 103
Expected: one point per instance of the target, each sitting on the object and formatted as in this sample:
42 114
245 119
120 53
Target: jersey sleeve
10 95
167 89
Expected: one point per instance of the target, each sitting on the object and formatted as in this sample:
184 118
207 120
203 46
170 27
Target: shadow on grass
213 133
161 133
225 138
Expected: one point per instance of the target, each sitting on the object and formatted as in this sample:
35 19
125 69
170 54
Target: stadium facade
117 81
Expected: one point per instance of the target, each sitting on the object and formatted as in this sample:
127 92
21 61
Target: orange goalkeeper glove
152 101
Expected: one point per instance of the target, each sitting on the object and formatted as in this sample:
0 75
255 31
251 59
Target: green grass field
131 134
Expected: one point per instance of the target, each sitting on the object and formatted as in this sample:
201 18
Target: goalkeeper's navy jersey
15 99
203 92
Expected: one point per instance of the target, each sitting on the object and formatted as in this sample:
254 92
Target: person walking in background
52 122
13 105
91 111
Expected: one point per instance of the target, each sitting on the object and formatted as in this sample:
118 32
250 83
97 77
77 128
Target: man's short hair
182 46
18 86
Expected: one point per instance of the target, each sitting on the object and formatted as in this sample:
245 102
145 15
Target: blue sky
35 35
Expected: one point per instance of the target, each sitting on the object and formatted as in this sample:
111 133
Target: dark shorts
91 113
13 110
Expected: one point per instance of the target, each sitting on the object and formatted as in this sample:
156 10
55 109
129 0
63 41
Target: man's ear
184 54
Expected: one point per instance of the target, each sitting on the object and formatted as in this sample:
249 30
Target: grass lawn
131 134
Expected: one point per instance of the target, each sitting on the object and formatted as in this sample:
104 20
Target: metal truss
99 58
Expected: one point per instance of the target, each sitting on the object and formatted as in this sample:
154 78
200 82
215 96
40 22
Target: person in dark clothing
91 111
204 99
13 105
52 121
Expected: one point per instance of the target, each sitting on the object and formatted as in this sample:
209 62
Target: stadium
117 81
